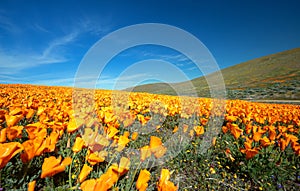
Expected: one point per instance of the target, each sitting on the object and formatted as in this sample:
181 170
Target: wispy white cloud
179 60
176 57
8 78
12 62
7 25
168 57
180 64
53 48
61 41
88 25
38 27
192 68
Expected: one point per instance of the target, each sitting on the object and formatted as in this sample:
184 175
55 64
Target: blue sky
43 42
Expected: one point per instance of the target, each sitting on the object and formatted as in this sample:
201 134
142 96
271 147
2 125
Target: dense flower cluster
33 120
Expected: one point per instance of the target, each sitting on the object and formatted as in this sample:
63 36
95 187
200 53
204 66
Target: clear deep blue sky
43 42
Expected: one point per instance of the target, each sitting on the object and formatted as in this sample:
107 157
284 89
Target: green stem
26 170
148 161
132 179
1 178
109 163
70 171
73 188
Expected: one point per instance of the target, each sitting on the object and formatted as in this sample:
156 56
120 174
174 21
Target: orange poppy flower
283 143
88 185
231 118
48 144
175 129
15 111
143 119
40 110
52 166
44 118
213 141
109 178
257 133
12 120
185 127
123 140
36 130
78 145
126 134
102 140
282 129
29 150
96 157
296 148
3 135
248 128
157 127
225 129
31 185
14 132
30 113
156 147
235 130
260 120
145 152
290 137
155 142
52 140
109 117
164 184
204 121
142 181
123 166
2 113
228 155
74 124
112 131
160 151
134 136
8 151
272 133
106 180
227 151
40 145
249 151
85 171
265 141
199 130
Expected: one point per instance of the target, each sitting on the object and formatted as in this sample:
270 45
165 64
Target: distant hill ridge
276 76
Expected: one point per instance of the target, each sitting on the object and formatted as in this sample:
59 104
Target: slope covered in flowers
56 137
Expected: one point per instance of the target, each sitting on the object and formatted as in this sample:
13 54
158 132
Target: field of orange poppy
55 138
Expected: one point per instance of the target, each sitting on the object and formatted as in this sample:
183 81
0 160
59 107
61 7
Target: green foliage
271 169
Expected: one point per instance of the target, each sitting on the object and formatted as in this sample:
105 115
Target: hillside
276 76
